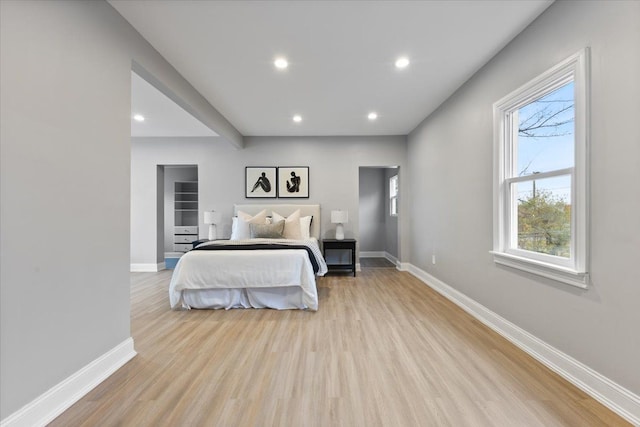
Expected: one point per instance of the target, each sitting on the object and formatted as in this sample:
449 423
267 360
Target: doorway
181 211
378 216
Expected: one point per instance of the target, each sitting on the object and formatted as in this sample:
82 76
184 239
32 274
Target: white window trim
573 271
391 213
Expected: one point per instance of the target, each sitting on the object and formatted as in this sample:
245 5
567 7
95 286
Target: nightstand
340 255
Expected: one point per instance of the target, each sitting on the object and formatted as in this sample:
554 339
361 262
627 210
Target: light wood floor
383 350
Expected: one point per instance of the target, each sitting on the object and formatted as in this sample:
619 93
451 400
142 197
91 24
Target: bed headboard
286 210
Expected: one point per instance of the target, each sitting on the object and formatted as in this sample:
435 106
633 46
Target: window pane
393 186
394 206
546 133
544 215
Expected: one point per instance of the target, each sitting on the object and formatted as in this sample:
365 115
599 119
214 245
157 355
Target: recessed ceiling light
297 118
402 62
372 116
281 63
138 118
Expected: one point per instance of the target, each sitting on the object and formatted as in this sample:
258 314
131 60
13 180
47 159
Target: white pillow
240 226
291 225
305 227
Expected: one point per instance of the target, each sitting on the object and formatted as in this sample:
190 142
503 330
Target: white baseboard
147 268
46 407
372 254
612 395
392 259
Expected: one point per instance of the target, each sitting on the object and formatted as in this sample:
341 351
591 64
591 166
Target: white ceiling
162 116
341 57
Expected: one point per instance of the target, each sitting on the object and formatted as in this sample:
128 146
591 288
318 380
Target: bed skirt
279 298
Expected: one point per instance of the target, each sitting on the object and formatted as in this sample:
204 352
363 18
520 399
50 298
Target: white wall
333 174
450 161
65 108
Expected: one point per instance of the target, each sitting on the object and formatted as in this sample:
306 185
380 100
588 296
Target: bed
262 272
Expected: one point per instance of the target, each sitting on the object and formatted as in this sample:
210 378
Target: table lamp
340 218
212 218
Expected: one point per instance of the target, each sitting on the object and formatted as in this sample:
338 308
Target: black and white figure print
293 182
260 182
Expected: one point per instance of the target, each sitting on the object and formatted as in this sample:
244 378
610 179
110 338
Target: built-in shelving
185 214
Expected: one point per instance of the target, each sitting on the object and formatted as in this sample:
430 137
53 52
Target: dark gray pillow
267 231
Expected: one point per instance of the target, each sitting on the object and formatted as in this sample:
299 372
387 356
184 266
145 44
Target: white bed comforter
251 269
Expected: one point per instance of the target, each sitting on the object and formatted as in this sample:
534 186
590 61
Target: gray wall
65 107
450 161
372 202
333 173
160 224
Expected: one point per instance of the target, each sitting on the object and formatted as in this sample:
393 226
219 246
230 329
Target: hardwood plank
384 349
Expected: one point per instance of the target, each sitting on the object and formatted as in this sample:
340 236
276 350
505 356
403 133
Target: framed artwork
260 182
293 182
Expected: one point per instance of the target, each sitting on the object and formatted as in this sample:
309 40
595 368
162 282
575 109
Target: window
540 190
393 195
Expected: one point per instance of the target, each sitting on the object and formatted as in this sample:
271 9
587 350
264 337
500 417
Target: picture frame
293 182
260 182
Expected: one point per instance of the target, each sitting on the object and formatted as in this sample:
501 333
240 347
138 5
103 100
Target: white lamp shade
212 217
339 217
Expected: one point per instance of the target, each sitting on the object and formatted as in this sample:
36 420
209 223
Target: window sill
550 271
